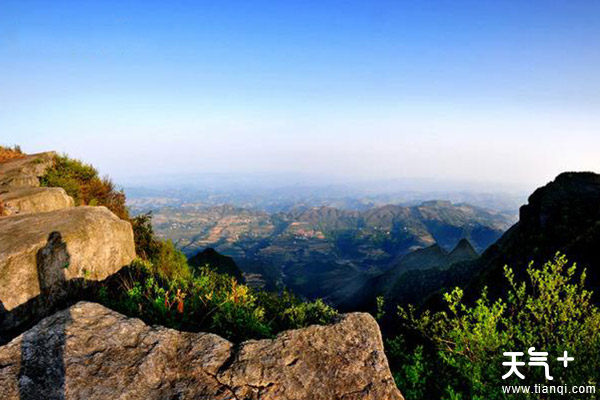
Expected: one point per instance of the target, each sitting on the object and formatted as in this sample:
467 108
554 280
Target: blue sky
477 91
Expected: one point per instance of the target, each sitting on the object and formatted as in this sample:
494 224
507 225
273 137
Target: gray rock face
340 361
40 254
25 171
90 352
19 186
26 200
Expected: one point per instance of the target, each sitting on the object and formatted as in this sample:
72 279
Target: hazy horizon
475 94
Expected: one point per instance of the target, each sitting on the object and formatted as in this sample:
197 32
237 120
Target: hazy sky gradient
482 91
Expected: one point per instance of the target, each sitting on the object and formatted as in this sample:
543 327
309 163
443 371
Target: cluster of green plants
204 300
161 288
82 182
458 353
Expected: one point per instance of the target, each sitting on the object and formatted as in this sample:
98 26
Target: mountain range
318 251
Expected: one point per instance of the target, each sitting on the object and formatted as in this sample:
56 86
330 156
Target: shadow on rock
42 373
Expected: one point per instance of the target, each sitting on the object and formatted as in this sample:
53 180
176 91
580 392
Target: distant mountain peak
463 244
463 251
218 262
426 257
434 248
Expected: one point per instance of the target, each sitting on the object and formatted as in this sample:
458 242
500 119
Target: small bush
10 153
170 263
81 181
164 258
287 311
204 302
147 246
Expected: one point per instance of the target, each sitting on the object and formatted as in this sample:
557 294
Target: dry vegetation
10 153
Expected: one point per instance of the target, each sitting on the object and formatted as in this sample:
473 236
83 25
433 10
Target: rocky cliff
563 216
50 249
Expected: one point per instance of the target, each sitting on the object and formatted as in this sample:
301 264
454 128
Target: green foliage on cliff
458 354
204 300
82 182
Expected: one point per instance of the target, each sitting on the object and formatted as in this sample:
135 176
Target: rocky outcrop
26 200
25 171
90 352
341 361
40 254
19 186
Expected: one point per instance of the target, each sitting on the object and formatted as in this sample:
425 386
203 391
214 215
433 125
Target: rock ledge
91 352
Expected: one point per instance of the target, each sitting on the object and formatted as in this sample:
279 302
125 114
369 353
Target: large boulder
91 352
340 361
25 171
42 254
25 200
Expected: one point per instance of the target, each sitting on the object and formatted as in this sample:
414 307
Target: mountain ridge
561 216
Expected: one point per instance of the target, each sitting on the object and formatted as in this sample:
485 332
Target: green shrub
81 181
147 246
207 301
173 295
309 313
170 263
412 370
551 312
285 310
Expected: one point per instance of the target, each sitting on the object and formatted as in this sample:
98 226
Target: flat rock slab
26 200
41 253
91 352
25 171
